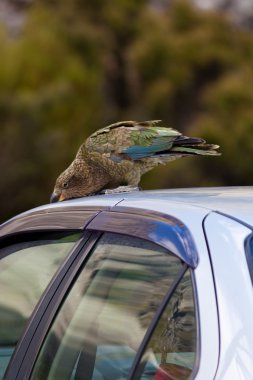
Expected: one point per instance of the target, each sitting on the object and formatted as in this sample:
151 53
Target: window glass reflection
106 314
25 270
172 348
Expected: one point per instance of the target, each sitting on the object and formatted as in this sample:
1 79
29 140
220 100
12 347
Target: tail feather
166 150
182 147
193 146
184 140
204 150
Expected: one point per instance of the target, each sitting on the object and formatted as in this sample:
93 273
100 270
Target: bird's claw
121 189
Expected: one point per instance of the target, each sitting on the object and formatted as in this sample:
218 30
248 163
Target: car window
171 351
26 267
105 316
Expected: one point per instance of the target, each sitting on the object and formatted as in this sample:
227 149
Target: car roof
236 202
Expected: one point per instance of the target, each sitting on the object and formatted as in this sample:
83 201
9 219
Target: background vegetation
75 66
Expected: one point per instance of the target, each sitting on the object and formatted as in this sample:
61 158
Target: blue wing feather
159 144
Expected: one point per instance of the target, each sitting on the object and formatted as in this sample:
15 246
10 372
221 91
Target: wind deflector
159 228
65 218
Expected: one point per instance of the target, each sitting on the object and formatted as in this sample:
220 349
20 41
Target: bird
114 158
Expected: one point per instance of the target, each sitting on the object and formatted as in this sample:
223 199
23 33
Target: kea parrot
115 157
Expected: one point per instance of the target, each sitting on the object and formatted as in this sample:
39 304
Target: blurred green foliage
77 66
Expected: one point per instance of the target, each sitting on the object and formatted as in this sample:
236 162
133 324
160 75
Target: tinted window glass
106 314
25 270
172 347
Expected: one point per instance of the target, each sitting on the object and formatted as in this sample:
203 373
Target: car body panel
234 296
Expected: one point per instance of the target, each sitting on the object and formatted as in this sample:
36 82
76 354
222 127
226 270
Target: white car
143 285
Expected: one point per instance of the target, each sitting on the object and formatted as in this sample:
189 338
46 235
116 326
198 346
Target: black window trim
149 225
198 337
249 254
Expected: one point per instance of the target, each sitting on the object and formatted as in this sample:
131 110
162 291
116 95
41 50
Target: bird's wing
131 140
129 123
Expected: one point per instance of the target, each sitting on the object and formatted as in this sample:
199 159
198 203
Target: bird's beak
56 198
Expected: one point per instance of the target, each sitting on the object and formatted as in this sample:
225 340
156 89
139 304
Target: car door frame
162 229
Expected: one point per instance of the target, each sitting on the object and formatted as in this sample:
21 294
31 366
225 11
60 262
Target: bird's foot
121 189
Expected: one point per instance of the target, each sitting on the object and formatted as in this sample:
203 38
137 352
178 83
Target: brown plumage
117 156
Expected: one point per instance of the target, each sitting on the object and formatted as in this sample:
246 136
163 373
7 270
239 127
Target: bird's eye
65 185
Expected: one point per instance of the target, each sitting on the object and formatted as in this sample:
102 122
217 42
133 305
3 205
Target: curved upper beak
56 197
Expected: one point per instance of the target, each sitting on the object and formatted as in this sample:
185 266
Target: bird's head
74 182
